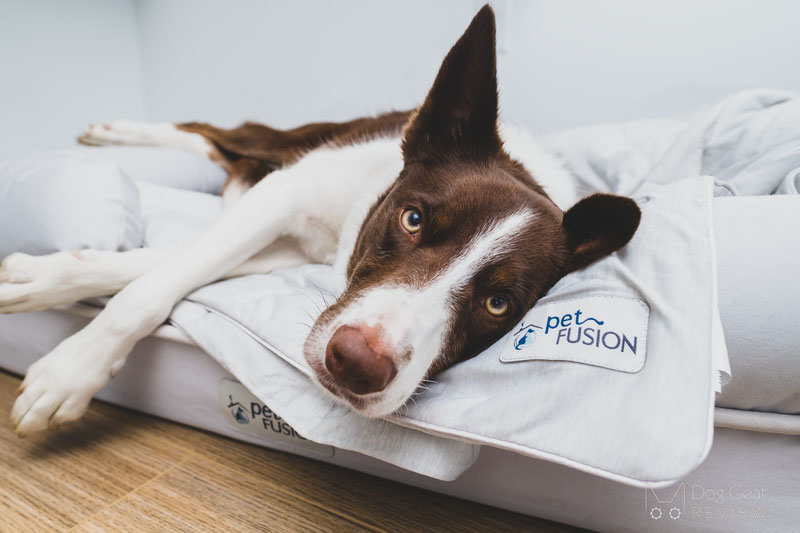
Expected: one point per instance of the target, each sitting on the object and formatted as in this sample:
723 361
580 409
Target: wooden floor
117 470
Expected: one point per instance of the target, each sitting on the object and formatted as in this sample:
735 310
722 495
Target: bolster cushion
66 201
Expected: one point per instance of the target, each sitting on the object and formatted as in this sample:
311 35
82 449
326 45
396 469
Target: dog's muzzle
358 361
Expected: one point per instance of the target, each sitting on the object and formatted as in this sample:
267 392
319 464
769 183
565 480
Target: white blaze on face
414 320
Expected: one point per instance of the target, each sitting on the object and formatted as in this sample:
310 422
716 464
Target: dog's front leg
59 386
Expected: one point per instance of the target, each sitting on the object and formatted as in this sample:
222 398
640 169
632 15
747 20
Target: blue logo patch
605 331
525 336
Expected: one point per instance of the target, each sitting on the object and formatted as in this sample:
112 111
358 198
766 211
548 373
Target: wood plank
123 471
379 503
52 481
199 496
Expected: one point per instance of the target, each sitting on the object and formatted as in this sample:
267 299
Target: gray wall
64 64
289 62
562 64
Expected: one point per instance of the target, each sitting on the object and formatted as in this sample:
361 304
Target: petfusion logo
238 411
605 331
246 413
573 328
525 336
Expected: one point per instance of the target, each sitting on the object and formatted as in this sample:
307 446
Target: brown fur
459 177
251 151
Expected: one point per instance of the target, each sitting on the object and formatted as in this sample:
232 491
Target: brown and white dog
448 231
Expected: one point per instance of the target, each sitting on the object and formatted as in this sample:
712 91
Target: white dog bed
169 376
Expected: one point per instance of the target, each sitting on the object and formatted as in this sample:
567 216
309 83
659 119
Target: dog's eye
411 220
496 305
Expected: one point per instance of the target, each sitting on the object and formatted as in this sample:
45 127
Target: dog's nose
356 362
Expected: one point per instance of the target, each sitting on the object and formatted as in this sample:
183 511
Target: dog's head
463 243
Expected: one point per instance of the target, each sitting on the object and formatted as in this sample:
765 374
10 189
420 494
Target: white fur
232 192
544 166
33 283
305 204
36 283
415 318
311 211
126 132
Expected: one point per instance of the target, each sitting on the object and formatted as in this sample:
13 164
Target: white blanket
580 401
595 417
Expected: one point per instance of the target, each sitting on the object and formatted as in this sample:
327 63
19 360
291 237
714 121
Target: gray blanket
579 409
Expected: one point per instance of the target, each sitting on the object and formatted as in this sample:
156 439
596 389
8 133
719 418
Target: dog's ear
599 225
460 112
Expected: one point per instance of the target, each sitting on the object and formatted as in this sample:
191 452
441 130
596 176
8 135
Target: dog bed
755 446
684 152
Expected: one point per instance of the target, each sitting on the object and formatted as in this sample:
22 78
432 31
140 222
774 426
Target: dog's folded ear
459 115
599 225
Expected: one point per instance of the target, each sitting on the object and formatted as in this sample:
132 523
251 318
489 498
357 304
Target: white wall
576 62
289 62
64 64
565 62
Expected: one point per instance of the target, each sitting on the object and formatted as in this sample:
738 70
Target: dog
447 230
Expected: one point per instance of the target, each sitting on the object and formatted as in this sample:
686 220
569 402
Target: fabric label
247 414
604 331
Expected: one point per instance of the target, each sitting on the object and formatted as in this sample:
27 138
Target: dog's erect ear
460 112
599 225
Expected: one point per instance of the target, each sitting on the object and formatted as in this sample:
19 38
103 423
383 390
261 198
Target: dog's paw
125 132
95 135
32 283
58 387
119 132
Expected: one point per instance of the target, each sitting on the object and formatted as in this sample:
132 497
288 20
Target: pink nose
356 360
